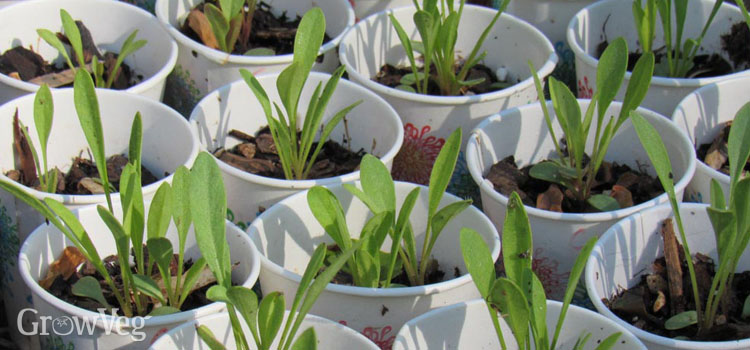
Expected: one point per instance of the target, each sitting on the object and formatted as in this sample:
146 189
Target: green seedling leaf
219 25
73 35
603 202
191 277
552 172
317 286
514 307
478 261
147 286
43 110
377 184
574 277
306 341
135 144
412 78
88 287
313 267
160 250
128 48
160 212
718 201
406 88
739 144
568 113
208 208
260 51
517 244
328 211
610 73
442 170
53 41
164 310
443 217
746 308
208 337
638 86
217 293
246 302
609 342
87 107
681 320
367 270
270 316
180 194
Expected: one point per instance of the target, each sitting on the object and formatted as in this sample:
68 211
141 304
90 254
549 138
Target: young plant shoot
679 53
73 34
138 290
227 22
572 170
731 224
524 309
437 25
43 110
369 266
295 147
264 319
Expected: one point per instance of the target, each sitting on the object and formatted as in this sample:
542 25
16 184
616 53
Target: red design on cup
584 91
157 335
414 161
381 338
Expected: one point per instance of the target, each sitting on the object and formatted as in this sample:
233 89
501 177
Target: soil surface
704 66
263 30
716 154
435 273
628 186
735 44
390 76
667 291
83 178
258 155
24 64
61 285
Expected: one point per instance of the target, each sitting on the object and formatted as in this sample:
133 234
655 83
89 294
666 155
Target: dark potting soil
435 274
390 76
61 285
83 178
667 291
704 66
264 30
628 186
735 44
24 64
258 155
716 153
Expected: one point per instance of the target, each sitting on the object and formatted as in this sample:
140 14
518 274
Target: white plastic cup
373 126
587 29
626 252
287 234
558 237
110 23
208 69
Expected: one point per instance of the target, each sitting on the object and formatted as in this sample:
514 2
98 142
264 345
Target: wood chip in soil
716 153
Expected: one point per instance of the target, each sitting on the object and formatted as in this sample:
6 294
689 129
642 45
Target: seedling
438 32
227 21
731 224
168 202
97 68
571 170
264 319
294 150
368 266
744 11
679 53
43 110
520 297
